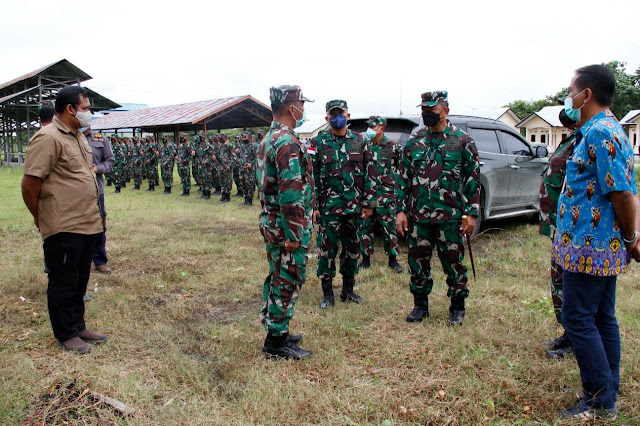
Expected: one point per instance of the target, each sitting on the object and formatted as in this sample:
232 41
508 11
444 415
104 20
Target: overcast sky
378 55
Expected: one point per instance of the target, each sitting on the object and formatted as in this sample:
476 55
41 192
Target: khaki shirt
68 199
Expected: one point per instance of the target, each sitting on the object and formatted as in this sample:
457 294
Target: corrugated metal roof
187 114
62 68
549 114
17 94
628 118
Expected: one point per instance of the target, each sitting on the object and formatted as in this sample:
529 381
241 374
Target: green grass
181 311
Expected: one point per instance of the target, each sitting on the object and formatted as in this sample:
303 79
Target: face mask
338 121
430 118
573 114
84 117
302 119
565 120
370 133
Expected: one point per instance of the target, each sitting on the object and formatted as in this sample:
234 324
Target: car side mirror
541 151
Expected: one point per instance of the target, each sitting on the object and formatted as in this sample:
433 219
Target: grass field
181 311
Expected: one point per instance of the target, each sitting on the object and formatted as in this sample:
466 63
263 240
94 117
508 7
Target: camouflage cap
376 120
286 94
49 104
434 98
336 103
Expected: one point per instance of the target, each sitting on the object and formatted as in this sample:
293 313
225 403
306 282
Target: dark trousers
589 317
67 257
99 249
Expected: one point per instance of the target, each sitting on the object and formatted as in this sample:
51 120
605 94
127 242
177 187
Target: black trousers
67 258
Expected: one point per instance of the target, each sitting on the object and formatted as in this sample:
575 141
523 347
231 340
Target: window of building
533 138
564 136
543 138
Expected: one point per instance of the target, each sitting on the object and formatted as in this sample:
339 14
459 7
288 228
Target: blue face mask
573 114
338 121
302 120
370 133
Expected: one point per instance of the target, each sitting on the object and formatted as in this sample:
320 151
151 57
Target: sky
378 55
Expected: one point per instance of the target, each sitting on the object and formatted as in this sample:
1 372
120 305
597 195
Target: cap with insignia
376 120
336 103
430 99
286 94
48 104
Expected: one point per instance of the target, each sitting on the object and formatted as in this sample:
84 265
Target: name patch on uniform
98 137
453 145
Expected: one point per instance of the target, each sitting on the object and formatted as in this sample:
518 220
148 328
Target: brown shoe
76 345
90 337
103 269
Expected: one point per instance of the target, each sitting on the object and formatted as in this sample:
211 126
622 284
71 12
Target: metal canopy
226 113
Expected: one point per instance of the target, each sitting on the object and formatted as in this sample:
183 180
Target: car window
514 146
486 140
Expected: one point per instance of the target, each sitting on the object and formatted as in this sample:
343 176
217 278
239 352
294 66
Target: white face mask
84 117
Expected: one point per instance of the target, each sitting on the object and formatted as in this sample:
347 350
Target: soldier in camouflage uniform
119 162
184 157
206 169
215 145
128 150
550 190
248 166
345 195
151 163
197 161
137 155
285 187
385 158
167 158
224 163
438 183
236 166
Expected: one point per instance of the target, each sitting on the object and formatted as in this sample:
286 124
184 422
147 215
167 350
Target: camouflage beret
336 103
49 104
375 120
286 94
434 98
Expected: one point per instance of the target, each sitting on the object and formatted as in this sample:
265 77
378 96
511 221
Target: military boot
207 194
560 342
366 262
327 291
456 311
218 191
151 188
282 347
420 309
393 264
249 201
166 190
185 193
117 191
225 197
347 294
239 194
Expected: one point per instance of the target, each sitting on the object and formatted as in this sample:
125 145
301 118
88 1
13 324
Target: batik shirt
588 239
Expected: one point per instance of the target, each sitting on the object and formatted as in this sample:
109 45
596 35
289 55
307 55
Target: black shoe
559 343
225 198
347 294
184 193
327 291
206 194
294 338
366 262
151 188
239 194
124 185
166 190
560 353
393 264
280 347
117 191
585 412
249 202
456 316
420 309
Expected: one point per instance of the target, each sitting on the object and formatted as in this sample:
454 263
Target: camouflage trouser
118 175
185 175
450 245
152 173
195 171
225 180
248 182
138 173
216 178
386 217
167 173
109 179
556 289
287 272
236 178
336 229
206 176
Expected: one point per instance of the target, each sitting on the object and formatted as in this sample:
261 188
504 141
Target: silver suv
510 169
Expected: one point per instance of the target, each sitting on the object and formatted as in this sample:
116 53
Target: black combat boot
282 347
151 188
347 294
207 194
420 309
456 310
124 184
218 191
166 190
136 188
560 342
185 193
294 338
239 194
249 201
225 197
327 291
366 262
117 191
393 264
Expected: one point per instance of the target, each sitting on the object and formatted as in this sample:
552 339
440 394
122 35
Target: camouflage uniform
197 161
235 167
285 187
137 155
215 146
345 182
438 182
167 159
385 159
550 190
224 164
185 155
128 152
119 162
248 166
206 169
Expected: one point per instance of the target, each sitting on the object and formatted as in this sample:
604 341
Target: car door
525 170
494 167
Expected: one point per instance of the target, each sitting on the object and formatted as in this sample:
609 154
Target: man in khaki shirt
60 190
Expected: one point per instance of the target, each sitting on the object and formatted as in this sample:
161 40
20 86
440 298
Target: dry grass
181 311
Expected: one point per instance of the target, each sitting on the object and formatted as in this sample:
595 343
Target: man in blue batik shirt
596 237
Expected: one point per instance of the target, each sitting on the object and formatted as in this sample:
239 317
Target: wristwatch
636 235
